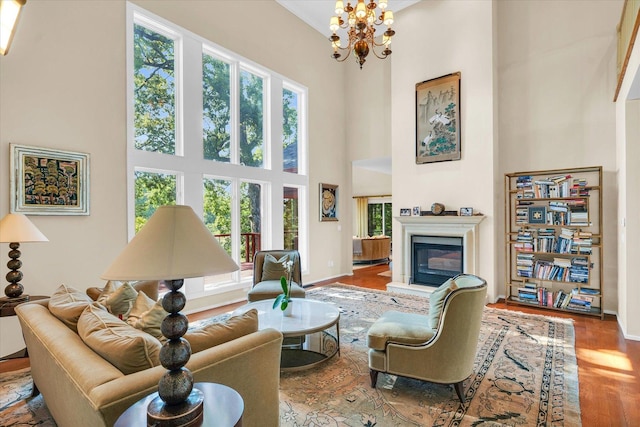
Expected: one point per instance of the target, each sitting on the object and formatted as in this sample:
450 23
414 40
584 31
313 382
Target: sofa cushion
125 347
272 268
118 298
67 304
395 326
147 315
221 332
436 302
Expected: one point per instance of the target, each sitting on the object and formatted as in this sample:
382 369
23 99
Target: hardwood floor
608 365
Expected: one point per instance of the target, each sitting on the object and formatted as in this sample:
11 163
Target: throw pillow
125 347
147 315
272 268
221 332
118 298
67 304
436 302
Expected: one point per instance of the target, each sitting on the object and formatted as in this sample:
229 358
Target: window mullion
234 77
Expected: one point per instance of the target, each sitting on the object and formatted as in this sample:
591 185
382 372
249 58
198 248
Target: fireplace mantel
466 227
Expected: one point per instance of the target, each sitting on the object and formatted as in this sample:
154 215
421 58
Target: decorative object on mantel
16 228
9 15
466 211
405 212
173 245
416 211
438 119
437 209
49 182
361 22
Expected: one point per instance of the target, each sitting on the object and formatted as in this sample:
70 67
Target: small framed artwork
466 211
416 211
328 202
537 215
438 119
405 212
45 181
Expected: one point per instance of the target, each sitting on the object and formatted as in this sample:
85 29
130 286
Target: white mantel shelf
466 227
440 219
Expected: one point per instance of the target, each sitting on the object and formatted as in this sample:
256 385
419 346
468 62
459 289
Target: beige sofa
81 388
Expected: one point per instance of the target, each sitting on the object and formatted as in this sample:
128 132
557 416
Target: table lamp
173 245
15 229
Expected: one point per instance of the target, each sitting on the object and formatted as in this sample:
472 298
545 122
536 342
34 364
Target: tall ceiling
318 12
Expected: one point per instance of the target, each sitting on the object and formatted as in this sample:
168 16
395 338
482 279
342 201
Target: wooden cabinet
553 237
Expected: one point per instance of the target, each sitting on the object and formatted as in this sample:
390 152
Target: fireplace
434 259
463 229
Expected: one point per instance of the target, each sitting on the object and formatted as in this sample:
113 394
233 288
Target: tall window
212 145
380 218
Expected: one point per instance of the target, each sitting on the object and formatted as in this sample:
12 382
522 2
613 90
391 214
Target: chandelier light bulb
334 24
388 18
382 4
352 20
339 7
361 10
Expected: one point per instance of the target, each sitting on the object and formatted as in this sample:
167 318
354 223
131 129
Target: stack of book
546 239
524 265
528 293
525 185
565 239
522 215
579 187
525 241
582 241
579 270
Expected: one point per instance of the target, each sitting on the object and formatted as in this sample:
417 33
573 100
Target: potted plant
284 299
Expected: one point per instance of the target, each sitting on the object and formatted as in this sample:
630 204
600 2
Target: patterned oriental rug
525 375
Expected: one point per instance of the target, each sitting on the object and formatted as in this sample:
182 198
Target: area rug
525 374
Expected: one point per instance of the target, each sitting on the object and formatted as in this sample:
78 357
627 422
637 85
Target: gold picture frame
328 202
45 181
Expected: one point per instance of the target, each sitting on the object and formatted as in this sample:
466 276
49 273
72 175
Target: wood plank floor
608 365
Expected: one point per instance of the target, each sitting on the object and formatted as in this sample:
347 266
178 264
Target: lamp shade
9 14
15 227
173 244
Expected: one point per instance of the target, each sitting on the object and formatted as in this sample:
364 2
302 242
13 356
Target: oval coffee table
307 341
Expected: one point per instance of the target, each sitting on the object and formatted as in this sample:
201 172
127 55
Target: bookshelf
553 238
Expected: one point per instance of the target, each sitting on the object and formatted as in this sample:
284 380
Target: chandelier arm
376 53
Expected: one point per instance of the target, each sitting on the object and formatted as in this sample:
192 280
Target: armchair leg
374 377
459 390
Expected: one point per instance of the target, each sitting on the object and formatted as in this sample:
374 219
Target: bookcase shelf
553 239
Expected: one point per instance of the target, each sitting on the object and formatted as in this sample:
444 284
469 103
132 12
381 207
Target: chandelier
361 22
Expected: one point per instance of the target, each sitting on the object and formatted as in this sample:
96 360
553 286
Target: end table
223 407
7 309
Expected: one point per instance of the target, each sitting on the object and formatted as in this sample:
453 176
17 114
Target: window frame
189 165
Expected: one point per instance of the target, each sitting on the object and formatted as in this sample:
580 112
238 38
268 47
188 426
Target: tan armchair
439 347
267 272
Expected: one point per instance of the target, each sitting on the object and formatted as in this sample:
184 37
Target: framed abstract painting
328 202
49 182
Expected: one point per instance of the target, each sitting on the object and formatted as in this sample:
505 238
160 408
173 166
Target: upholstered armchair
439 347
267 270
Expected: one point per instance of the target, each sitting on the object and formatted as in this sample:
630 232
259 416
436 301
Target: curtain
362 204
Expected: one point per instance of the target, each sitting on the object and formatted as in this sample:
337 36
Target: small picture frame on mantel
466 211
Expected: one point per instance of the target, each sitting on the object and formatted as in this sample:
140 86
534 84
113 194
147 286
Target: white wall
433 39
557 78
63 86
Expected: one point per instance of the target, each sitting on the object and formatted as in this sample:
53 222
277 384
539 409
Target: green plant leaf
277 301
283 283
285 303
